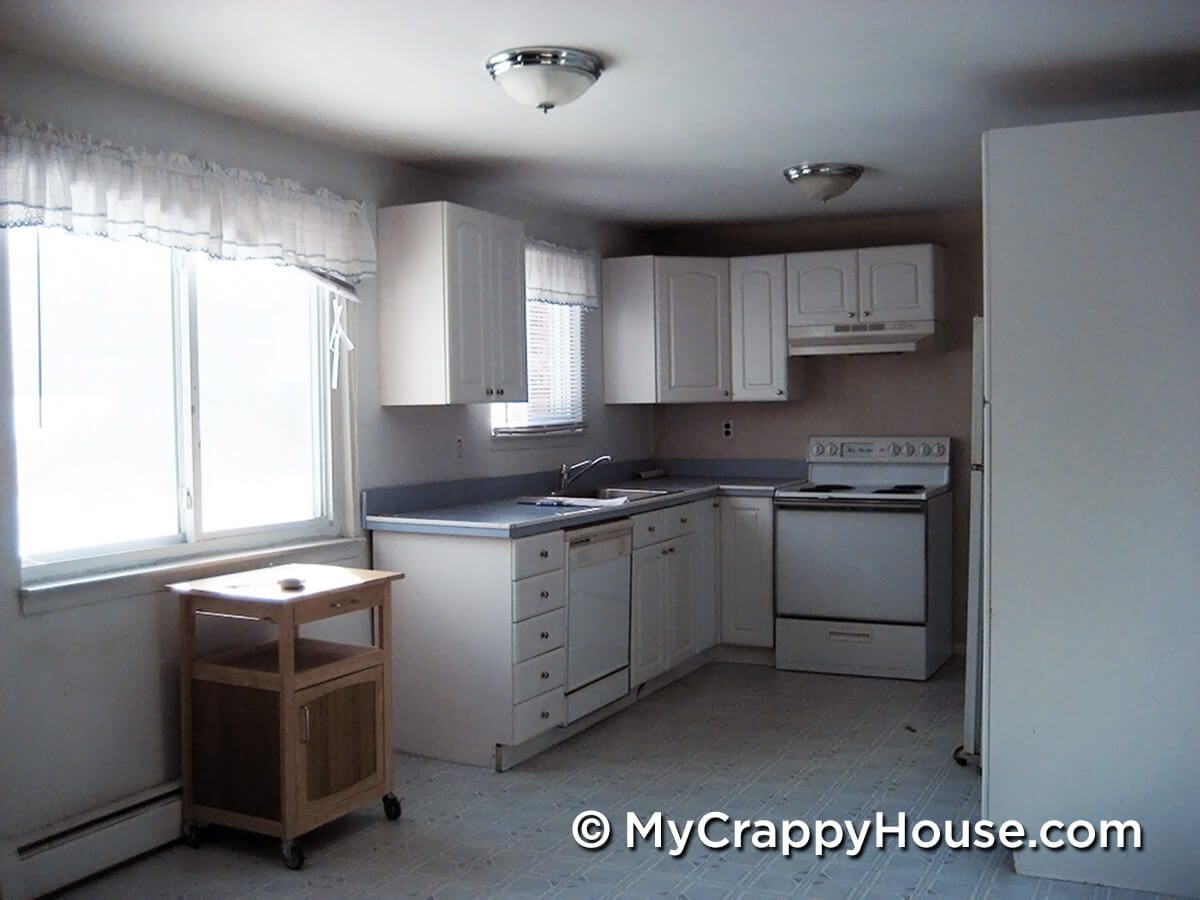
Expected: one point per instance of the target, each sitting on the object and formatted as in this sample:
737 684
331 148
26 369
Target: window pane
94 392
554 341
261 423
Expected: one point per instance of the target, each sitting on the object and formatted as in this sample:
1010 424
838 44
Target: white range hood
872 337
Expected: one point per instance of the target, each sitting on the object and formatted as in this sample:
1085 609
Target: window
164 402
560 288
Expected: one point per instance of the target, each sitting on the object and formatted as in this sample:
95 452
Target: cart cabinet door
341 744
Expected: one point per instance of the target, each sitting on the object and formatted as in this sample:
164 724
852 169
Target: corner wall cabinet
451 306
282 737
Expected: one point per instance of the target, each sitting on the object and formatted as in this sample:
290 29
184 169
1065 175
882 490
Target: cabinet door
681 557
691 312
469 287
758 326
342 744
747 589
706 566
896 284
508 346
648 644
822 288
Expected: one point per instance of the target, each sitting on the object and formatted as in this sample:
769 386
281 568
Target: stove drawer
854 648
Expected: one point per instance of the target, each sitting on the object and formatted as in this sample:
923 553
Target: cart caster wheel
391 807
293 856
190 834
960 756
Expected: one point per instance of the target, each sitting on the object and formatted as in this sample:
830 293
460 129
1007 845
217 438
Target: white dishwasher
598 582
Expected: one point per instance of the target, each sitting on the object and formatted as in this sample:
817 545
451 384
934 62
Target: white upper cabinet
896 284
452 306
758 327
691 312
873 284
666 330
822 287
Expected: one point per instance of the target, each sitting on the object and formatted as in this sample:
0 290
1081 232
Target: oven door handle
917 506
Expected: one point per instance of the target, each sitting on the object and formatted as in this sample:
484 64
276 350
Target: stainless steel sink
632 495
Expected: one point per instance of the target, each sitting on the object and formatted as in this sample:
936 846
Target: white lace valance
50 177
560 275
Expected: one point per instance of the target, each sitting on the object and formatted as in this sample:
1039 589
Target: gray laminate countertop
509 518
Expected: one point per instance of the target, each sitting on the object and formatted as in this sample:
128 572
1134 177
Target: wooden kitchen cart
281 737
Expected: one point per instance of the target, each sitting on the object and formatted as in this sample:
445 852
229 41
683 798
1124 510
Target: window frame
333 470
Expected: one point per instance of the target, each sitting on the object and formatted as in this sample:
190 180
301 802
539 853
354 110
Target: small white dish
291 584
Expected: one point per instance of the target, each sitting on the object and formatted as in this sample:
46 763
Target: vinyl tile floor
743 740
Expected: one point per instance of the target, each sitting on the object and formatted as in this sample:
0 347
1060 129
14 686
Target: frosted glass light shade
823 181
544 77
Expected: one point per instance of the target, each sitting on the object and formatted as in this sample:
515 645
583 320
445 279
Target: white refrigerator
1092 572
970 752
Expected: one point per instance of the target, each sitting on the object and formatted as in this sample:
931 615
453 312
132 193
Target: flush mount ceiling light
823 181
545 77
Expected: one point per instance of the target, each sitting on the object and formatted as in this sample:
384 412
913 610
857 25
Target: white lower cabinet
706 568
661 631
747 571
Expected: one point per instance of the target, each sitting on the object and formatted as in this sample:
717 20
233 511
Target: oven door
861 562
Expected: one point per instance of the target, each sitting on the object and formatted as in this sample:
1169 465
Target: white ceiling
702 105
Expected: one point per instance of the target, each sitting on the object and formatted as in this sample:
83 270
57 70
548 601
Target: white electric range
863 558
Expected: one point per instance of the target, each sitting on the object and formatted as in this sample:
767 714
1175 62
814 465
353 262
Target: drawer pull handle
545 675
339 604
856 637
545 635
545 554
545 714
545 595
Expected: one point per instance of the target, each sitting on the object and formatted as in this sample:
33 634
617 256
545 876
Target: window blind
554 336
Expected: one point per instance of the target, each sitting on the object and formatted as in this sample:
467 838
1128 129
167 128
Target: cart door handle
305 725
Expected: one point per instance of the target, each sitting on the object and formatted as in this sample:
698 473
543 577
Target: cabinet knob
726 393
866 312
500 391
545 714
683 520
545 595
778 392
849 315
544 554
664 551
670 549
649 527
545 635
489 392
545 675
716 504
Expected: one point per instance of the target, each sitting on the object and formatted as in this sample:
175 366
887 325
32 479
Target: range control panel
880 449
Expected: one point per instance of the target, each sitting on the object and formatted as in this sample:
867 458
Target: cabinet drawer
539 635
650 528
681 519
537 554
539 714
539 594
538 675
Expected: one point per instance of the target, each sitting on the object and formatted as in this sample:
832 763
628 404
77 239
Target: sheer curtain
77 182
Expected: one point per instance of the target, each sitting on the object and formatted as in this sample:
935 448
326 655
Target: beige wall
884 394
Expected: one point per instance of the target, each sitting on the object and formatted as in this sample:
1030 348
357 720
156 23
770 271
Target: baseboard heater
84 845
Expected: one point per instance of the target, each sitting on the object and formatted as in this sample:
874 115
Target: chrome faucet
570 472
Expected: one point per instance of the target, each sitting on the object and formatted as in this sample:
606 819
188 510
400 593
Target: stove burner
829 487
902 489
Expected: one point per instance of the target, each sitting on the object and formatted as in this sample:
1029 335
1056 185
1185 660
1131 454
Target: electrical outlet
458 447
727 428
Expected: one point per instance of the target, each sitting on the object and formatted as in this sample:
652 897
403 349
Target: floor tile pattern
746 740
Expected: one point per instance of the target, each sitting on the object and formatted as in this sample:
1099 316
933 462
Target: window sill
534 440
71 593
